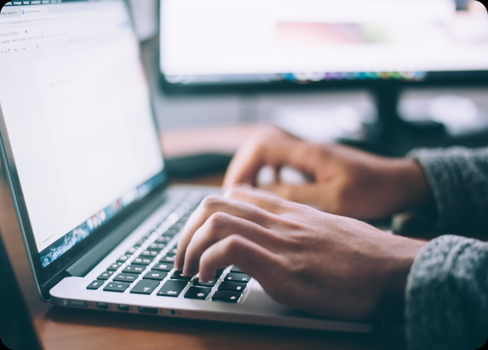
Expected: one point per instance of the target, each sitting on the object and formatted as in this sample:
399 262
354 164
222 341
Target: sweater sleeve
446 300
458 178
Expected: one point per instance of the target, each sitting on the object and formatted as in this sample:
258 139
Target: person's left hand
325 264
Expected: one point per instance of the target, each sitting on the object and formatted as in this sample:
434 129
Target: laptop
81 152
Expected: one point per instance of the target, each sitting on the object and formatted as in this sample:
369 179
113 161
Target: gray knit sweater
446 304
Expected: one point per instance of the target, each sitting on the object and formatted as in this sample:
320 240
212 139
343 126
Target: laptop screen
76 107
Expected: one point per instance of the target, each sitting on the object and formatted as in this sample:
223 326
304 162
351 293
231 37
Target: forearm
446 305
458 179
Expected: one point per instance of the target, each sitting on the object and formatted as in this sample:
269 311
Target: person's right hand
317 262
344 181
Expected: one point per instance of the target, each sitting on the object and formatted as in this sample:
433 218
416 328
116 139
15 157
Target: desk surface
73 329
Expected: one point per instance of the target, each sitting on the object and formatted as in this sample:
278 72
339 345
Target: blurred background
442 105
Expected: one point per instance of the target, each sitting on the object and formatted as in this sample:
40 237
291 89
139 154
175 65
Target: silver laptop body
82 156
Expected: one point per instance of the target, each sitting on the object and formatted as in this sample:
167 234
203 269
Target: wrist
390 305
411 185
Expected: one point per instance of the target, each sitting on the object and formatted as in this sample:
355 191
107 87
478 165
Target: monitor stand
390 128
390 135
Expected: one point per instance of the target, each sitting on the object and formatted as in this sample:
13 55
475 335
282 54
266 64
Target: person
308 248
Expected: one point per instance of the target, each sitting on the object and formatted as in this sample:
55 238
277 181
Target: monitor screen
76 108
212 42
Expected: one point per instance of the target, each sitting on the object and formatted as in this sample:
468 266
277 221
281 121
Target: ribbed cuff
445 180
446 301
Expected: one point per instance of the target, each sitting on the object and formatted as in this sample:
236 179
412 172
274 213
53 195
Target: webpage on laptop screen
76 107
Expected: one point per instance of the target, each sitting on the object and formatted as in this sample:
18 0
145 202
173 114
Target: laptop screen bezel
46 277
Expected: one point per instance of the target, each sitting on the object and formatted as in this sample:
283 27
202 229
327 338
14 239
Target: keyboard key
184 219
170 259
155 275
141 261
237 277
95 285
178 275
149 254
156 247
141 242
197 293
178 226
210 283
126 277
233 286
172 288
171 232
114 266
123 258
163 267
230 297
131 251
145 287
167 236
116 287
163 239
135 268
236 269
105 276
173 251
205 284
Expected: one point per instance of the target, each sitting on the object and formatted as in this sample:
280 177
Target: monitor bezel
46 277
432 80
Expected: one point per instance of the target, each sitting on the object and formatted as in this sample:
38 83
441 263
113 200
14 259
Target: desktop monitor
216 46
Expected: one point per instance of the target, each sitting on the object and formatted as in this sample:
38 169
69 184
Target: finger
235 249
218 227
247 162
244 167
297 154
214 204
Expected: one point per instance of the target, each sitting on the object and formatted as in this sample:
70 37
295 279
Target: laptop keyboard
144 269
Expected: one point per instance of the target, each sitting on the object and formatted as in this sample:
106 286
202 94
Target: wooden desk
73 329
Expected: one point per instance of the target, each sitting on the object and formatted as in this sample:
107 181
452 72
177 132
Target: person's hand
325 264
344 181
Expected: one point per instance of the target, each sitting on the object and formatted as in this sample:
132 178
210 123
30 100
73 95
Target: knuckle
209 203
233 244
216 221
